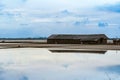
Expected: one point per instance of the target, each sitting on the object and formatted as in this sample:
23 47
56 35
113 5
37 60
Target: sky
41 18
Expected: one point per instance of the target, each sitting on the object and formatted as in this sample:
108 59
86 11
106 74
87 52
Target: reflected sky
41 64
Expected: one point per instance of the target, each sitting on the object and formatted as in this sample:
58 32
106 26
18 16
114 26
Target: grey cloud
102 24
65 12
2 6
110 8
77 23
24 0
82 22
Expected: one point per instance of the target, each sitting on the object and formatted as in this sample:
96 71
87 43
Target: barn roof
78 36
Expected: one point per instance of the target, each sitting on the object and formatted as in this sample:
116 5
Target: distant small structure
77 39
116 41
110 41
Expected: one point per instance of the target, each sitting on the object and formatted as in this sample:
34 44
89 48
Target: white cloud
57 16
39 20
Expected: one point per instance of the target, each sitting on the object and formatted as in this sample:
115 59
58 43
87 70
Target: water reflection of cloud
12 75
24 78
111 69
40 64
66 66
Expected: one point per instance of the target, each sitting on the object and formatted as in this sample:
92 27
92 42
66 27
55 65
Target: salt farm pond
41 64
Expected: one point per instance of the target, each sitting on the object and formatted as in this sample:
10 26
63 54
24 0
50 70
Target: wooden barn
116 41
77 39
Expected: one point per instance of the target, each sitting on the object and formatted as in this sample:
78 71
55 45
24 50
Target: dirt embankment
70 46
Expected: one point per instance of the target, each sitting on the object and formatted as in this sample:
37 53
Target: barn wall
116 42
72 41
63 41
89 42
102 41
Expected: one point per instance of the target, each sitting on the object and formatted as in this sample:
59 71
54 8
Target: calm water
40 64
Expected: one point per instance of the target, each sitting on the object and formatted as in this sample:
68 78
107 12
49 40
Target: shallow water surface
41 64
